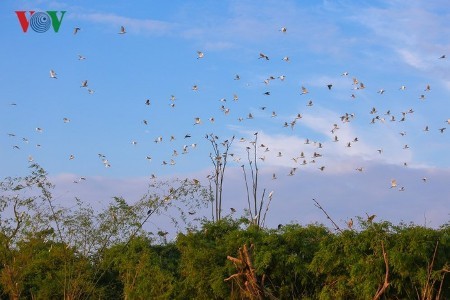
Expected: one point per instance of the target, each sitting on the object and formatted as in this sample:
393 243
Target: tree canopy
51 252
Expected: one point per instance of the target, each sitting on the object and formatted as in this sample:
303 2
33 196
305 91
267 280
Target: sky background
383 44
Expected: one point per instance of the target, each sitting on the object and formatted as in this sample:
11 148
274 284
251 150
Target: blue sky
383 44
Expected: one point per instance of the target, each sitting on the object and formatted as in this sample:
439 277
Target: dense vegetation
51 252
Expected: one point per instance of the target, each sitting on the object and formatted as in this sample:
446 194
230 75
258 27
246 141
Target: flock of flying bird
302 158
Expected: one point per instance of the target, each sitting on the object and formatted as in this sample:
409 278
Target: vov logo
40 21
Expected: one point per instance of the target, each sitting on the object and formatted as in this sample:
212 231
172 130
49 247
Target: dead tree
382 288
250 287
219 160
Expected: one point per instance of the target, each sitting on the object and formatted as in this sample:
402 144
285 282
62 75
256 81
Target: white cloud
416 31
412 59
337 157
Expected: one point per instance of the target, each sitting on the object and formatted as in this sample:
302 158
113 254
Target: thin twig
429 271
248 194
328 217
260 207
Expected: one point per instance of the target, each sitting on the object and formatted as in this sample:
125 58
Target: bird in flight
122 30
393 183
262 55
53 74
76 29
84 83
304 90
200 54
197 121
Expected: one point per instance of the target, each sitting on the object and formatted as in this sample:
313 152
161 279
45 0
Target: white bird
81 57
66 120
350 224
283 29
197 121
393 183
53 74
200 54
304 91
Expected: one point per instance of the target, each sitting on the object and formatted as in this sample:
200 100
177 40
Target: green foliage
203 264
51 252
140 270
